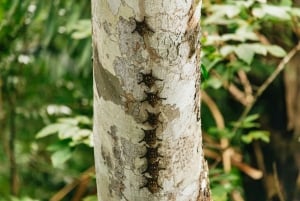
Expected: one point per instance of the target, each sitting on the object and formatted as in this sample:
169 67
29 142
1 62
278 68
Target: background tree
147 137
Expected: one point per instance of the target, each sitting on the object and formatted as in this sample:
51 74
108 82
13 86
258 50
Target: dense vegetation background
46 100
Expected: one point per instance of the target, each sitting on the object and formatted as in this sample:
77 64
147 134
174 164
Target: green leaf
91 198
214 83
232 10
279 12
258 12
256 135
220 12
61 156
219 194
68 132
81 29
248 122
70 121
276 50
245 53
81 134
220 133
251 118
286 3
295 12
246 33
12 198
226 50
58 145
204 72
51 129
84 120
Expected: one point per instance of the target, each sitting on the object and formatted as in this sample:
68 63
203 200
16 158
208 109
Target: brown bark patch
107 85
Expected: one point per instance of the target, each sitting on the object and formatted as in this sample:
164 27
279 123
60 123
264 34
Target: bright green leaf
91 198
214 83
61 156
70 121
276 50
220 133
258 12
256 135
279 12
68 132
286 3
51 129
84 120
245 53
12 198
219 193
81 29
259 49
81 134
226 50
232 10
248 122
251 117
295 12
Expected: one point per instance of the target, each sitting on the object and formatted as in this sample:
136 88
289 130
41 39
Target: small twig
277 183
260 162
65 190
247 86
236 196
214 110
220 125
81 189
250 171
267 82
232 89
226 155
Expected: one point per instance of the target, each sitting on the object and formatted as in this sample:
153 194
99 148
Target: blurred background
250 100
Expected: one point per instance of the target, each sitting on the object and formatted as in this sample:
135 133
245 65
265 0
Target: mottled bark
147 133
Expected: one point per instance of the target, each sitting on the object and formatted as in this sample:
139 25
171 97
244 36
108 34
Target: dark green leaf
204 72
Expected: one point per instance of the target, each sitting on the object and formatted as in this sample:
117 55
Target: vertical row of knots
150 139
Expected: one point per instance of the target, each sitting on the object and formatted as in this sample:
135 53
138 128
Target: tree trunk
147 134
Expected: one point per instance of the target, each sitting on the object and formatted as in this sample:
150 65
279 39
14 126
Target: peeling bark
131 39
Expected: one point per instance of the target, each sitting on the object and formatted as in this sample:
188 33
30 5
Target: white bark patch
118 155
114 5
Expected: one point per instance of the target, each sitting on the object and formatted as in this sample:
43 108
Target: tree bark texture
147 134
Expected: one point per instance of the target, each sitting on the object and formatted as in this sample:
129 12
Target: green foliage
204 72
238 40
71 132
91 198
45 71
23 199
77 129
256 135
223 183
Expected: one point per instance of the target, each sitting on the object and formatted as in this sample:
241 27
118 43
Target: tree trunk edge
204 192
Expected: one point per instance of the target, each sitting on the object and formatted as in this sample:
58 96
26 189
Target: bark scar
108 86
